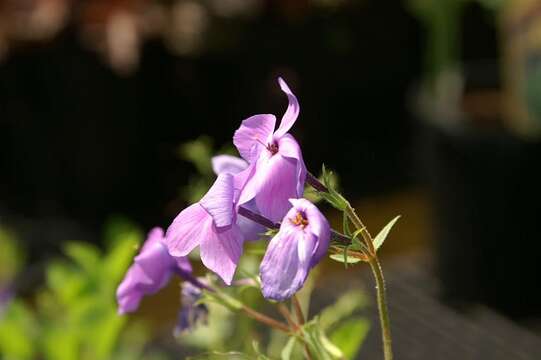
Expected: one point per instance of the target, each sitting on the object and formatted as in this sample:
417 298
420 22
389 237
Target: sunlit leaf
18 328
346 305
348 259
287 351
85 255
350 335
380 238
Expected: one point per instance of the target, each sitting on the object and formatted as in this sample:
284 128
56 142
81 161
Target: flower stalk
375 266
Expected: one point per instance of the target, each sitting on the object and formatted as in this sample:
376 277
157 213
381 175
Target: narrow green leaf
288 349
350 335
333 350
343 308
344 259
85 255
380 238
345 225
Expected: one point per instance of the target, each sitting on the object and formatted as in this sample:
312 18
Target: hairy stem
375 265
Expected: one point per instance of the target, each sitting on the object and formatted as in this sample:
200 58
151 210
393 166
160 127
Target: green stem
375 265
350 212
380 282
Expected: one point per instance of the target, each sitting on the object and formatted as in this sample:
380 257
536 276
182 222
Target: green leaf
347 259
345 225
312 335
83 254
350 335
380 238
199 153
18 328
333 350
343 308
287 351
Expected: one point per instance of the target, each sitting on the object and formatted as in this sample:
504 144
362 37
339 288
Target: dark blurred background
424 108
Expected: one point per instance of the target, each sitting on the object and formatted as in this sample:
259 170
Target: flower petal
185 233
286 263
276 182
318 226
218 201
292 112
221 250
289 147
253 134
228 164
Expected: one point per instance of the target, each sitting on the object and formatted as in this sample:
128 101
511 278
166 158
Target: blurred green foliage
75 315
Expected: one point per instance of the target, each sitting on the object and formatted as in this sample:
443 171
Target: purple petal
291 113
317 225
289 147
221 250
185 233
276 182
228 164
286 263
183 264
253 134
129 302
218 201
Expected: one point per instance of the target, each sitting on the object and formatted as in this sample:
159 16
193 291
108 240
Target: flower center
300 220
273 148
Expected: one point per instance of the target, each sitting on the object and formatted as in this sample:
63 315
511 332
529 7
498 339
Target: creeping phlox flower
150 272
192 312
279 171
301 242
211 225
234 165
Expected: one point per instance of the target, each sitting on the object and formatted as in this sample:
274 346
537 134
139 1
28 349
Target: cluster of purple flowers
268 183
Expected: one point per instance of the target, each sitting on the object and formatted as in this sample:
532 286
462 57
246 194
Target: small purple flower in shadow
150 272
211 225
280 171
191 313
235 165
301 242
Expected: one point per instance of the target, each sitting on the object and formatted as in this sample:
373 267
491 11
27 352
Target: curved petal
276 183
185 233
183 264
292 112
129 302
221 250
317 225
289 147
286 263
245 189
228 164
218 201
154 235
253 134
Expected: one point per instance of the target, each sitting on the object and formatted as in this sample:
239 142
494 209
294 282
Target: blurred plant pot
485 188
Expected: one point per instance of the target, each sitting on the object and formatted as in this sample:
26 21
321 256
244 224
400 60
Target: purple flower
235 165
228 164
211 225
300 244
191 312
277 158
150 272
